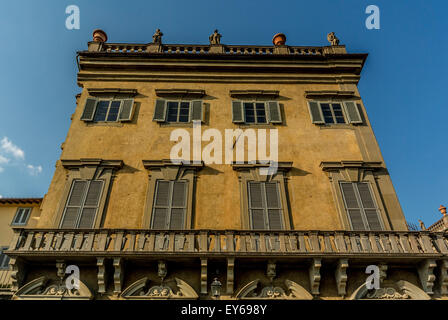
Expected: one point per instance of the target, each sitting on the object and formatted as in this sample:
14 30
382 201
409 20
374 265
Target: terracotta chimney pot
99 35
442 210
279 39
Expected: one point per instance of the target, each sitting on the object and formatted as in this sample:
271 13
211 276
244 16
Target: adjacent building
153 198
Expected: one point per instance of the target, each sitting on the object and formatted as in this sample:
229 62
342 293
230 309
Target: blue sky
402 85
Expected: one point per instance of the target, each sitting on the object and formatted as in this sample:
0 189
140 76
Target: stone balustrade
239 243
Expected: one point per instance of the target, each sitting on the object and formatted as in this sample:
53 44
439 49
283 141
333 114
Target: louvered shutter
275 115
74 204
18 216
127 109
273 206
370 209
315 112
161 205
352 112
237 112
352 206
196 111
91 205
178 205
89 109
160 110
25 215
256 207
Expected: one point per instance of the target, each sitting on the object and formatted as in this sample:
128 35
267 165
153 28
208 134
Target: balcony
228 243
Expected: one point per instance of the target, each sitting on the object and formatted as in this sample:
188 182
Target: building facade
154 198
14 212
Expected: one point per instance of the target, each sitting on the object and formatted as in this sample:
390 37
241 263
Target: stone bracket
314 272
102 275
118 275
230 275
341 276
204 276
427 277
443 277
18 273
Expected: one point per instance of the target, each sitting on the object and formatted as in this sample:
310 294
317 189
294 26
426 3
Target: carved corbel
341 276
102 275
314 273
204 276
270 270
61 266
162 270
18 273
383 272
118 275
230 275
427 277
444 277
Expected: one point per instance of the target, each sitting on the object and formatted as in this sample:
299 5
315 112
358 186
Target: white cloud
34 170
3 159
7 146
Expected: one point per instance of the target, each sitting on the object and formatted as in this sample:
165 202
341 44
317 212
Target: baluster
365 243
141 241
38 240
29 241
394 244
203 242
314 242
327 243
385 243
426 243
340 242
132 237
88 244
49 241
282 243
301 242
191 242
354 243
373 243
78 241
230 247
171 240
414 244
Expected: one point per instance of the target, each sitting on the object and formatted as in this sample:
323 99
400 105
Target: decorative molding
391 290
204 276
314 273
118 264
337 165
325 94
140 290
90 162
230 275
270 270
114 91
341 276
18 273
427 277
273 94
102 275
180 93
162 270
297 292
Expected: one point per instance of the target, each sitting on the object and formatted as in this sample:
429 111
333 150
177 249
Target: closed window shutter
237 112
91 205
315 112
127 109
352 112
369 206
24 216
161 205
89 109
274 206
352 206
178 206
159 218
196 111
160 111
74 204
275 115
18 216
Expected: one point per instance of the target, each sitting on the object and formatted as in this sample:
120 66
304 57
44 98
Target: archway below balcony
254 290
398 290
143 290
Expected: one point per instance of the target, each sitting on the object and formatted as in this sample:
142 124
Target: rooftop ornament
215 38
279 39
157 37
331 37
99 35
442 210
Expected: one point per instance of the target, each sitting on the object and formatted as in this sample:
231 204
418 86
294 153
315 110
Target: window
265 207
256 112
21 217
4 259
108 110
170 203
361 207
334 112
82 204
172 111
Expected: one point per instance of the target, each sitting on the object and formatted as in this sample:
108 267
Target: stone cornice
78 163
151 164
331 94
185 93
252 93
336 165
282 166
100 91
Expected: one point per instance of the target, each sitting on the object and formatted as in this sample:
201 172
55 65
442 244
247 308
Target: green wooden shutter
91 203
274 113
370 209
273 206
127 109
74 204
160 110
237 112
352 206
161 205
352 112
89 109
196 111
315 112
256 207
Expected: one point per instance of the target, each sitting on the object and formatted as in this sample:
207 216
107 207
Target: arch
297 292
406 290
140 290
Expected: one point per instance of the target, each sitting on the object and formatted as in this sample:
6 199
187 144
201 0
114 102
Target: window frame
170 206
331 102
29 209
83 200
179 101
4 258
108 110
265 207
254 102
361 205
